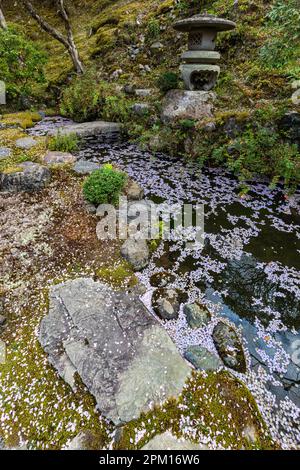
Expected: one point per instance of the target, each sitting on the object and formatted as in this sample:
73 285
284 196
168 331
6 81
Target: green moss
24 119
214 405
12 169
30 387
239 116
118 276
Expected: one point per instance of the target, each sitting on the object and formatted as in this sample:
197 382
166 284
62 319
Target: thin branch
3 24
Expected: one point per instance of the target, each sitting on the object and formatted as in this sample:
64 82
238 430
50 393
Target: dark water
248 271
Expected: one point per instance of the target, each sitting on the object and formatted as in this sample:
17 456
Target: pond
248 271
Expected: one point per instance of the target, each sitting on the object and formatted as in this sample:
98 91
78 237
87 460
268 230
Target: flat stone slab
185 104
85 168
167 441
28 177
26 143
122 354
5 152
58 158
103 129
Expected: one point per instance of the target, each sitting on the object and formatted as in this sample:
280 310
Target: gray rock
129 89
136 252
166 303
85 440
197 315
26 143
133 191
202 359
140 109
99 129
167 441
2 320
90 208
5 152
84 167
123 356
31 177
184 104
144 92
156 47
229 347
52 158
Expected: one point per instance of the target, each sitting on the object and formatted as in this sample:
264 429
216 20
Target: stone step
85 130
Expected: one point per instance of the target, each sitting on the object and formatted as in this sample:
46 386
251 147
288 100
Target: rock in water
202 359
28 177
166 303
123 356
229 347
184 104
197 315
136 252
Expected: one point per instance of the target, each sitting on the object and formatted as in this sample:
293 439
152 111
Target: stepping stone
83 167
26 143
100 129
58 158
5 152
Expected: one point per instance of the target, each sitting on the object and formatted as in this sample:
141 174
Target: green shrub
104 185
64 143
283 46
21 64
153 30
167 81
261 152
115 108
83 98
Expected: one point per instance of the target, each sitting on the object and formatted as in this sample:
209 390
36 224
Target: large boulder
28 177
229 347
183 104
136 252
123 356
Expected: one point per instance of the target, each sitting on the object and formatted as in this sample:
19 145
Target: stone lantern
199 69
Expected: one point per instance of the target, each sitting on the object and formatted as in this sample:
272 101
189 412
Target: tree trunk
3 24
68 41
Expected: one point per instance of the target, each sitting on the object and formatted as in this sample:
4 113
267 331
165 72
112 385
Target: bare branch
68 42
3 24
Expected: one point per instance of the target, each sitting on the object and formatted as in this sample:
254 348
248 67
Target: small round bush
167 81
104 186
